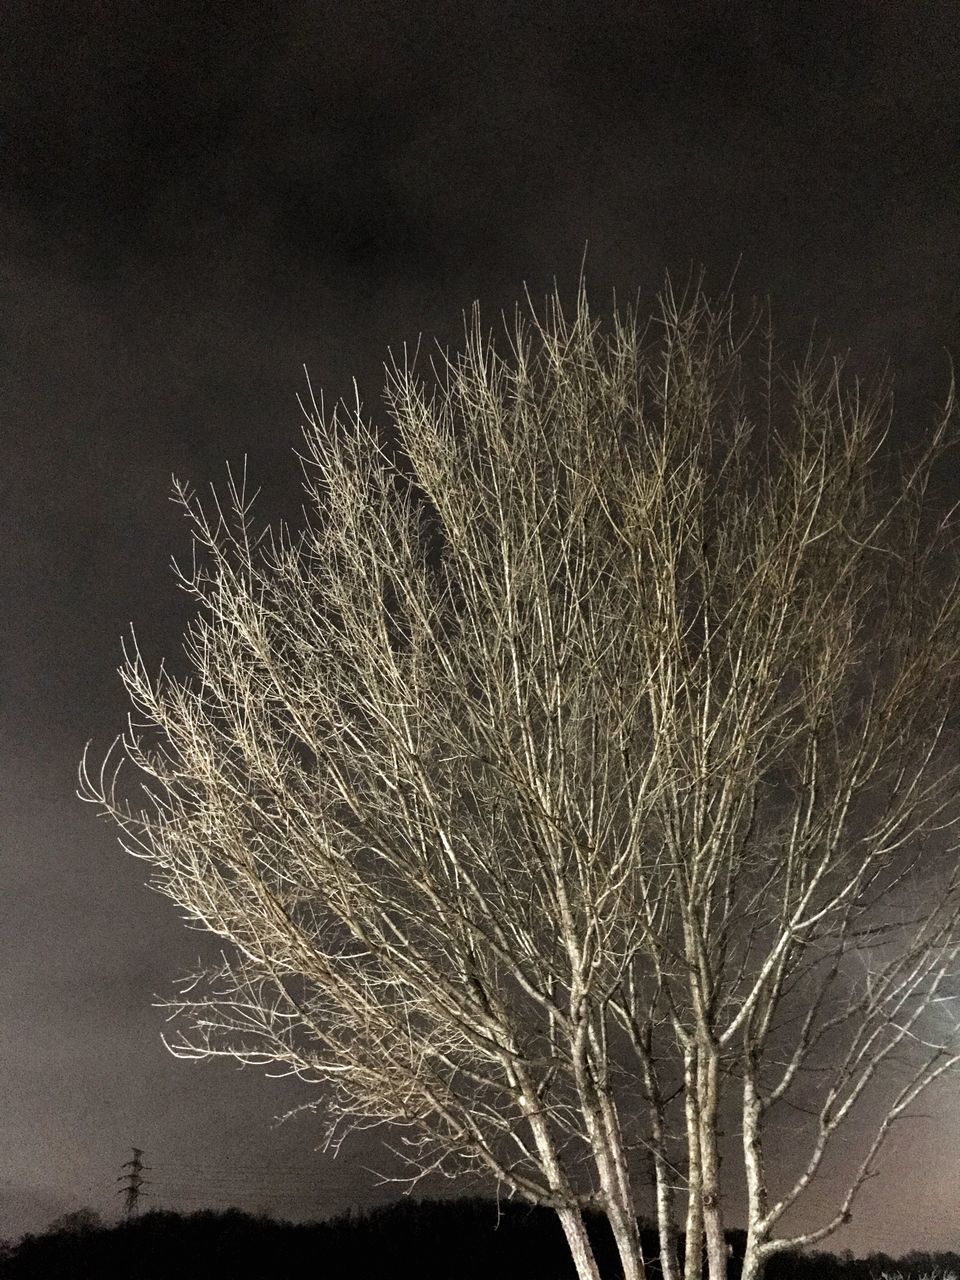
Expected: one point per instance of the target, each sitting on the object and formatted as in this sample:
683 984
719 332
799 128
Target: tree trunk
606 1143
616 1192
709 1108
666 1222
664 1190
753 1263
571 1219
621 1213
578 1241
693 1250
627 1238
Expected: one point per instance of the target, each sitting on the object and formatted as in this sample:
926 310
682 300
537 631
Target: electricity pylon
135 1182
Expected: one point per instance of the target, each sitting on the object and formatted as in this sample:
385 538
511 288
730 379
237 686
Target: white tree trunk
753 1262
709 1109
621 1214
579 1244
753 1167
627 1239
693 1251
662 1174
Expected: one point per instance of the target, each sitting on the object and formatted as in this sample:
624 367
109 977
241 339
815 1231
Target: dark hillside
429 1240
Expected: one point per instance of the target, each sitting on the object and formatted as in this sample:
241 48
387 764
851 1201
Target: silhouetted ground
429 1240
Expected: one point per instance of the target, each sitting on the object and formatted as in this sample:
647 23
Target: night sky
197 200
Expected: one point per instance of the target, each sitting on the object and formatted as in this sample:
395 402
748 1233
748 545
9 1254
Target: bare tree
582 776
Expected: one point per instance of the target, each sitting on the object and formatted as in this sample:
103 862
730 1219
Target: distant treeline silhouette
470 1239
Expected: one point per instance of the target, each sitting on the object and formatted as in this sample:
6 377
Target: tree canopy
583 773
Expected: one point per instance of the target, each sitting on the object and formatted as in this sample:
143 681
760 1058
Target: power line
294 1188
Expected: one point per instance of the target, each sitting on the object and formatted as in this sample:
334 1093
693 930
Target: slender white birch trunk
753 1166
626 1232
579 1244
571 1219
666 1219
708 1117
662 1174
606 1143
693 1250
